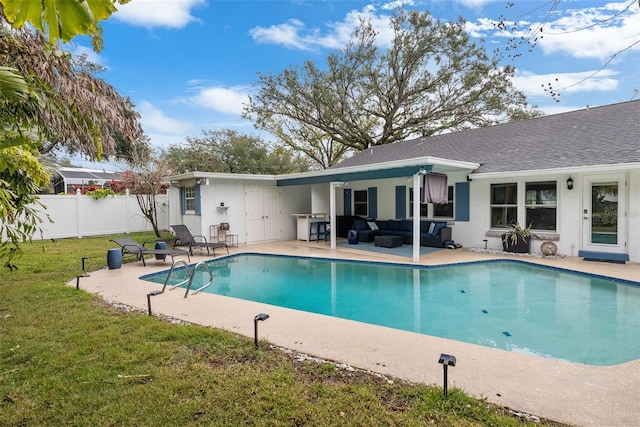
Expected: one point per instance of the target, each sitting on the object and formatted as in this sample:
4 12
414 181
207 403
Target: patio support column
416 217
332 211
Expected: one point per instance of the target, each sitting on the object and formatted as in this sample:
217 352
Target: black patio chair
130 246
185 238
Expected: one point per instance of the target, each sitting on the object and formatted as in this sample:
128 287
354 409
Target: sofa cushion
424 226
406 225
373 225
393 225
439 226
361 224
382 225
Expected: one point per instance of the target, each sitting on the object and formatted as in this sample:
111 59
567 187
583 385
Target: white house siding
299 199
231 192
315 199
570 220
634 215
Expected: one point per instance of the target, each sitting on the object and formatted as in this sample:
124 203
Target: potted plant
517 239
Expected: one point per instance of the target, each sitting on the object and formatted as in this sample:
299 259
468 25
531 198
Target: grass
68 358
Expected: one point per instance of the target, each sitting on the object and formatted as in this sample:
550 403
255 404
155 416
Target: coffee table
388 241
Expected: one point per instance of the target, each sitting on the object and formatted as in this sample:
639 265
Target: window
541 204
360 202
424 207
190 198
504 209
445 211
437 211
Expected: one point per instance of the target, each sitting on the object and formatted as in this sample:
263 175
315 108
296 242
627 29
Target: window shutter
183 200
372 198
196 191
462 202
346 197
401 202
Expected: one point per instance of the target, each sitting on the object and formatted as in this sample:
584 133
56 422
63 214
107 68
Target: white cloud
533 85
294 34
584 34
475 4
587 33
158 13
90 54
221 99
396 4
287 34
154 121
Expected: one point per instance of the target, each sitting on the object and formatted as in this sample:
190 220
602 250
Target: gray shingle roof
594 136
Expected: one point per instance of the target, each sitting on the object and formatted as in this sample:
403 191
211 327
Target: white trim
576 170
418 161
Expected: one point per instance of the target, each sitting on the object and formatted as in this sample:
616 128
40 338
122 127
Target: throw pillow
373 225
432 227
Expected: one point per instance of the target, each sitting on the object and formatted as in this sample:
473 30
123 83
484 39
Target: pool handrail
193 273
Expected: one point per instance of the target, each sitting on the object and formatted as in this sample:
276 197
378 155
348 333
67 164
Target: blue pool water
509 305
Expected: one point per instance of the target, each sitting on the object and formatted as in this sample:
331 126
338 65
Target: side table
231 240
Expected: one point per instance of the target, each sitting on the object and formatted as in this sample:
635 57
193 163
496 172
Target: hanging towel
435 189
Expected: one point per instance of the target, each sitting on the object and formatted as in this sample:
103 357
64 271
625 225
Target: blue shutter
462 201
183 200
401 202
372 199
196 192
346 197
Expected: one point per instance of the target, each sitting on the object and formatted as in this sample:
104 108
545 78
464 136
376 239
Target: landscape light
84 274
446 360
149 295
259 318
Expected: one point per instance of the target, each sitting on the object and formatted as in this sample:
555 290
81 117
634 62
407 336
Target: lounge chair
130 246
185 238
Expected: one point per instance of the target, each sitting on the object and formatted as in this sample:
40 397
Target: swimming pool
510 305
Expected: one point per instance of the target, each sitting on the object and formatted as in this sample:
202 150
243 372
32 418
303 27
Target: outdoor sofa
432 233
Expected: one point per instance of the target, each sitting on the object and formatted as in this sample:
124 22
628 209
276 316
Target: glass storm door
604 215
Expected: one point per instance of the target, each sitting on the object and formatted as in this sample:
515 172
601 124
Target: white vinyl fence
78 216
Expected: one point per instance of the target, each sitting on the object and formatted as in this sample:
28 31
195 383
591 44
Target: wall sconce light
570 183
259 317
446 360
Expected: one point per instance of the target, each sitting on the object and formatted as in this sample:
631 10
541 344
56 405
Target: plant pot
522 245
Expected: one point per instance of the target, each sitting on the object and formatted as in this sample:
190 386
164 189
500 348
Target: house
574 177
68 179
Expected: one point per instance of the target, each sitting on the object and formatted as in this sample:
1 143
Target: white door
263 216
604 214
272 214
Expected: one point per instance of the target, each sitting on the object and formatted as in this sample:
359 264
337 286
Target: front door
604 214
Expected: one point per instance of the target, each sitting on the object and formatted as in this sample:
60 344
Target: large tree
69 106
431 79
146 180
231 152
61 20
48 100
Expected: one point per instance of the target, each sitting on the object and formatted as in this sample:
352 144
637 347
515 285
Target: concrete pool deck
565 392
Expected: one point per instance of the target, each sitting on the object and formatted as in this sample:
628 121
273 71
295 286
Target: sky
190 65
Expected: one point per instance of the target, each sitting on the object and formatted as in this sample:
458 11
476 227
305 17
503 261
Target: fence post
79 213
126 211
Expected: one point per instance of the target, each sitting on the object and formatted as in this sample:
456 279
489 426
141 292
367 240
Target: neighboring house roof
606 135
83 175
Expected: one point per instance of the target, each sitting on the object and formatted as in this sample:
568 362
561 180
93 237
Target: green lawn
67 358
